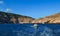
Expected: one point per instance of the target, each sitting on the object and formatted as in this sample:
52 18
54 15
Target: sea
28 29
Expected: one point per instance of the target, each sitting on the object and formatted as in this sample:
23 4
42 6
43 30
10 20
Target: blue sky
33 8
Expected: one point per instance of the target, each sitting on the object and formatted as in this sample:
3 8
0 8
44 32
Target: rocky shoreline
14 18
55 18
20 19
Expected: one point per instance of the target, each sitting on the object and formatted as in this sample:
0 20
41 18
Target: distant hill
55 18
14 18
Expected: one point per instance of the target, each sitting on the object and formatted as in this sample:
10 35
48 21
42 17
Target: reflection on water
27 30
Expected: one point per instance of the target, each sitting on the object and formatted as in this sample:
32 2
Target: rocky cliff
14 18
55 18
17 19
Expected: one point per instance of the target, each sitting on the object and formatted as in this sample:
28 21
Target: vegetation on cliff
14 18
18 19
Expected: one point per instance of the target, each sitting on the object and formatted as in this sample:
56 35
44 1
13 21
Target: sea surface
29 29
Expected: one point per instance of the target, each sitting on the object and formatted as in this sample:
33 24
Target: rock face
55 18
18 19
14 18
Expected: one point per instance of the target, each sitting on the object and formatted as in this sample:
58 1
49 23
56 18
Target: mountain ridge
14 18
54 18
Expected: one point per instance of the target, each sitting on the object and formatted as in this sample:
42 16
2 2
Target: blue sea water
29 30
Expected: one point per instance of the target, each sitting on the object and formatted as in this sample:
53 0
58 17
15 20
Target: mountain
11 18
55 18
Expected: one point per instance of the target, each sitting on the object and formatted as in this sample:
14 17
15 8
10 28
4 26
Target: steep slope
55 18
14 18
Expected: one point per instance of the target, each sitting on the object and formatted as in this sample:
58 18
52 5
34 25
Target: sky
33 8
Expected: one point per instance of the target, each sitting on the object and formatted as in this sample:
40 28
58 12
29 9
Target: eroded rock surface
14 18
55 18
